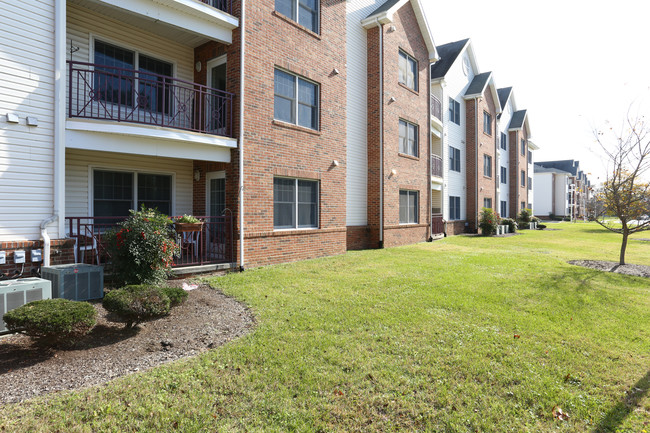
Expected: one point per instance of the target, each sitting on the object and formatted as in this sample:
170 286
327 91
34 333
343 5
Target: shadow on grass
622 410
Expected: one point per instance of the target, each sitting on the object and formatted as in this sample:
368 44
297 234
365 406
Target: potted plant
188 223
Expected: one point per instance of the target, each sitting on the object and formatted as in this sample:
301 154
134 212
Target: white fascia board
495 94
147 140
532 145
388 16
191 16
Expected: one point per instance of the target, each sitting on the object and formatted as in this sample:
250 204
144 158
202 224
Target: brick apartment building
307 138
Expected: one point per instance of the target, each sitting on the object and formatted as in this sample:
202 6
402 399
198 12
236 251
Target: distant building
562 189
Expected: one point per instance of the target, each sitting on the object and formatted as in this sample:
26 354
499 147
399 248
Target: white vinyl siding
504 155
456 85
78 177
357 113
85 25
26 89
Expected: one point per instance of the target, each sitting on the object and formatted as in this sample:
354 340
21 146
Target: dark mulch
601 265
206 320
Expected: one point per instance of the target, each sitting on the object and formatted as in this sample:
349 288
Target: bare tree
626 192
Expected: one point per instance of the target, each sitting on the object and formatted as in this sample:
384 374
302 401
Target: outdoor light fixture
198 66
197 175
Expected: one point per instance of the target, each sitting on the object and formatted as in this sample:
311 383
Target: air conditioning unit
77 282
16 293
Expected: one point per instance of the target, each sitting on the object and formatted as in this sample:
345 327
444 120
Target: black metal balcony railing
436 108
127 95
212 244
224 5
436 166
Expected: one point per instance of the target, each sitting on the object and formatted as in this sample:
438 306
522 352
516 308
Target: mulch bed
601 265
206 320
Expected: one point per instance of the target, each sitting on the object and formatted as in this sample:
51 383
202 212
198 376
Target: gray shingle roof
568 165
383 8
448 54
518 118
504 94
477 86
540 169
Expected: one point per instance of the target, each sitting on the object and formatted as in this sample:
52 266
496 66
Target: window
530 157
487 123
117 192
454 207
523 147
504 208
530 183
454 111
454 159
408 138
487 165
504 175
523 205
523 178
304 12
504 141
408 207
408 71
144 78
487 202
296 100
295 203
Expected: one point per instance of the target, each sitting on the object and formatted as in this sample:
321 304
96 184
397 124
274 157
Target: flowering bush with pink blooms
142 248
488 222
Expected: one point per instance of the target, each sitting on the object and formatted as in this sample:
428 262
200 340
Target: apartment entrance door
217 104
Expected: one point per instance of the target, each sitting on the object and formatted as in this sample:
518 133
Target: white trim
135 172
192 16
318 202
93 37
213 63
297 98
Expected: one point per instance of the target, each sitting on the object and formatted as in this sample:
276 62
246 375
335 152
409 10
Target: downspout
428 177
476 142
242 76
381 133
59 128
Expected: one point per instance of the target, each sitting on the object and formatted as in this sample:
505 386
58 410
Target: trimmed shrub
524 218
488 222
142 248
136 304
512 224
176 295
53 321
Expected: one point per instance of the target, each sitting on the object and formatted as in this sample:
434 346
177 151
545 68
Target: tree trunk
621 260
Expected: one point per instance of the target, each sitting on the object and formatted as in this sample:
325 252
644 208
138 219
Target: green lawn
466 334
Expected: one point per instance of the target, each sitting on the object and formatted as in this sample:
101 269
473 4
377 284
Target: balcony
436 116
222 5
126 95
212 244
436 166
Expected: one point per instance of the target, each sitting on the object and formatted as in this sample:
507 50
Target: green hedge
53 320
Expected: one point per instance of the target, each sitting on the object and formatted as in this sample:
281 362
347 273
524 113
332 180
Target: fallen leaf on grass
558 413
517 336
338 392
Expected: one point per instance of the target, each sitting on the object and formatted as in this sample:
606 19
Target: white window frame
504 179
295 12
453 159
459 210
296 227
487 164
415 138
208 177
296 101
453 113
408 60
504 141
91 185
410 192
487 123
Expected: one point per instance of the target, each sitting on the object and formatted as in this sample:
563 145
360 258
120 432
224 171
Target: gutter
381 133
242 76
58 197
476 142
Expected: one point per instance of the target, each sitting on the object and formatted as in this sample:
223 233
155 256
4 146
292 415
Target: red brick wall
411 172
274 148
358 237
455 228
477 182
61 252
518 162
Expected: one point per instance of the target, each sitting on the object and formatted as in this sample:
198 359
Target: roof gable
504 95
384 15
448 54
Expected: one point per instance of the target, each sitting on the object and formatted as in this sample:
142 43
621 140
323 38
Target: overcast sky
574 64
